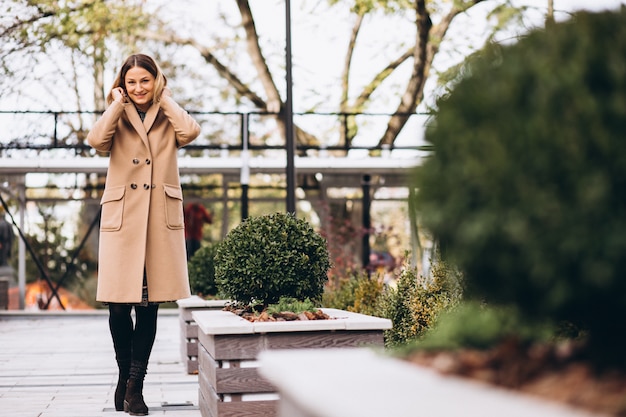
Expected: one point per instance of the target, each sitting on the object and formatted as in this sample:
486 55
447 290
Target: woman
142 259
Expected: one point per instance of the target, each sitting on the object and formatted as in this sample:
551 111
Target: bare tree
88 28
64 36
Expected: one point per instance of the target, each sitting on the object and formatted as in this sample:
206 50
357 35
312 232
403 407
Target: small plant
291 305
358 293
414 305
272 256
202 271
339 294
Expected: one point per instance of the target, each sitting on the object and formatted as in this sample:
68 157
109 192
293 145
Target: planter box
362 383
228 373
189 329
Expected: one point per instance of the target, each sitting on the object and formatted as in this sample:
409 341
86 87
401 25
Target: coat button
146 186
147 162
136 161
153 185
133 186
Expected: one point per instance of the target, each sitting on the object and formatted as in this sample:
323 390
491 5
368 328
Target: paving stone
63 365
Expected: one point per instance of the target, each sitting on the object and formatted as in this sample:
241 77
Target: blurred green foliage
475 325
202 271
525 188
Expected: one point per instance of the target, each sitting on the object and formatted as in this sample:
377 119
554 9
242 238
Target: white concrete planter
363 383
230 384
189 329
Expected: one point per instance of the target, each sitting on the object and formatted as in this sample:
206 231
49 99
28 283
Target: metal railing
222 131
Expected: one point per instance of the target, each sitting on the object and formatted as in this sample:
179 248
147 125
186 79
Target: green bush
202 271
367 295
340 294
475 325
416 302
268 257
525 189
357 293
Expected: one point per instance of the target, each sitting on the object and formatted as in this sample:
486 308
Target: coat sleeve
186 128
101 135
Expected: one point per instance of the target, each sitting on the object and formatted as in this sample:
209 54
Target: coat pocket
174 206
112 204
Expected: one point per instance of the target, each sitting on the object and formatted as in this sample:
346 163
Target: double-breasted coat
142 222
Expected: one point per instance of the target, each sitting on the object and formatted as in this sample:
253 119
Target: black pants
192 245
133 342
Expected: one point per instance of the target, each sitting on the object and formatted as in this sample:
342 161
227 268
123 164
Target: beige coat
142 204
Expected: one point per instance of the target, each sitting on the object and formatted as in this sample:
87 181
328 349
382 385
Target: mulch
263 316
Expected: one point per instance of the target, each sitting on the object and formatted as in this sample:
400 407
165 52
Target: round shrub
525 188
268 257
202 271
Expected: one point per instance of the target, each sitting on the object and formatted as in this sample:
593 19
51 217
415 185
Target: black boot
122 380
121 326
133 401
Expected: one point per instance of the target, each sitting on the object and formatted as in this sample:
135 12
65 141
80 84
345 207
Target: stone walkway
62 365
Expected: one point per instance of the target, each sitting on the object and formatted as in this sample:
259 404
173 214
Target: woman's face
139 87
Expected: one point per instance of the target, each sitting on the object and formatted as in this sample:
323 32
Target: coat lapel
151 115
135 120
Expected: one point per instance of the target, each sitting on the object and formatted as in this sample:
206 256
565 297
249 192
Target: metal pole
289 136
21 247
367 221
245 167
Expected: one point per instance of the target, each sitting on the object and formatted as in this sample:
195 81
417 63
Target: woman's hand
118 95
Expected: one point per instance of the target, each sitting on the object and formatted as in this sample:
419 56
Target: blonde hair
145 62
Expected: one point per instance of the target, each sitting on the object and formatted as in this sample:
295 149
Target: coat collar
142 128
151 115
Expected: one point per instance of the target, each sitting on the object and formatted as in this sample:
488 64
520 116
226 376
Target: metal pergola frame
356 172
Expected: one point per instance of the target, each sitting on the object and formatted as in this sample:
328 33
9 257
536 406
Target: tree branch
415 87
426 47
252 42
240 87
345 76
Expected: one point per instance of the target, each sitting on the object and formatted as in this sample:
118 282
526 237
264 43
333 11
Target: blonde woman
142 258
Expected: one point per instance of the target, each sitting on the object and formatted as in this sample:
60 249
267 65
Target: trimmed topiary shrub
268 257
201 268
525 188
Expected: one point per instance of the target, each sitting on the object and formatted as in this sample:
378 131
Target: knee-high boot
121 326
122 380
133 401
